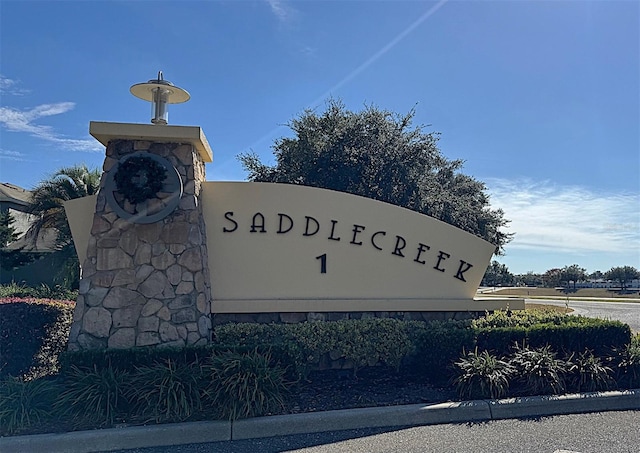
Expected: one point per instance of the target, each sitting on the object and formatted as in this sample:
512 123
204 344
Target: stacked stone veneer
146 284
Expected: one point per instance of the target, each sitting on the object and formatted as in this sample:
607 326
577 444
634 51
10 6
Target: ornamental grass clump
166 391
587 373
245 384
94 395
629 366
482 375
538 371
24 404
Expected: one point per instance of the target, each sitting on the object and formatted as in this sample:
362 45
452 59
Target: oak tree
379 154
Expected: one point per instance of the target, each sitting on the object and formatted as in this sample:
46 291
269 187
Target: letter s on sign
229 216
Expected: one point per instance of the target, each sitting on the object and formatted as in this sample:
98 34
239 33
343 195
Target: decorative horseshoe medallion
143 188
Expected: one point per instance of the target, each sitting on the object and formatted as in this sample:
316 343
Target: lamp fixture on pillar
160 92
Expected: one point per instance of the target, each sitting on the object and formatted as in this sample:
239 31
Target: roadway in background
627 312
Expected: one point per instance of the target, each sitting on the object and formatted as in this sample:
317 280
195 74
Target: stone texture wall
146 284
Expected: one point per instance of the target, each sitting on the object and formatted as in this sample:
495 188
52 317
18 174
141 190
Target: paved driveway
600 432
627 312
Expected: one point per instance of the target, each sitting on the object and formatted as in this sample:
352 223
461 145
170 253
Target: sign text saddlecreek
355 235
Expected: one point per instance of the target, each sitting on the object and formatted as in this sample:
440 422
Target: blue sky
540 98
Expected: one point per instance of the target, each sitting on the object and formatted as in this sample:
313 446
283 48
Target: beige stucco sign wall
287 248
280 247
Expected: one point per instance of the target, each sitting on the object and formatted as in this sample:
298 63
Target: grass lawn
580 293
548 307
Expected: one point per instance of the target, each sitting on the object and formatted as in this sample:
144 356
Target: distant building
601 283
14 200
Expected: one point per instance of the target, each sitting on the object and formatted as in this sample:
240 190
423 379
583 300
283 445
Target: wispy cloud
24 121
11 155
282 10
549 217
10 86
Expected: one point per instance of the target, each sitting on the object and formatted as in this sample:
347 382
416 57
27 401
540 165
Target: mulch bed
377 386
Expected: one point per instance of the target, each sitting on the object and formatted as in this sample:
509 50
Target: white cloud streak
281 10
386 48
548 217
278 5
10 86
24 121
11 155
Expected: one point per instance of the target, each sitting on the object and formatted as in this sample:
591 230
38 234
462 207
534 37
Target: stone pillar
146 284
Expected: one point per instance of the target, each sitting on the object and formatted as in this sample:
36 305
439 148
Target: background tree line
498 274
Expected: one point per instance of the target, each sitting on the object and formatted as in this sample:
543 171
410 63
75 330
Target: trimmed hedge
33 333
575 335
437 345
308 345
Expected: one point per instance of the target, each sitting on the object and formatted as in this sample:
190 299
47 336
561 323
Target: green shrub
167 391
301 347
33 333
587 373
41 292
597 335
436 346
500 339
363 342
482 375
95 395
520 318
629 365
569 334
245 384
130 359
538 371
24 404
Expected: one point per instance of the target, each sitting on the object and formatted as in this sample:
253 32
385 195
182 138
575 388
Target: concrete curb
371 417
119 438
538 406
314 422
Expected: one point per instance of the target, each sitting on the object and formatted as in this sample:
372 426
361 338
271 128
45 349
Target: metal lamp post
160 92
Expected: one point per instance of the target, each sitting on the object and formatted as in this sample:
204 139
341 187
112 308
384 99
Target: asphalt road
601 432
627 312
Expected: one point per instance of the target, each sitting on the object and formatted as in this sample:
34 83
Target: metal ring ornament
156 208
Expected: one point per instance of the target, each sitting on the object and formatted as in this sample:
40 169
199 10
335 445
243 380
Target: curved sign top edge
285 241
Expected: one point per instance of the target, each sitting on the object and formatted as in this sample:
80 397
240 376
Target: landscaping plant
94 395
24 404
629 366
587 373
166 391
245 384
538 371
33 333
482 375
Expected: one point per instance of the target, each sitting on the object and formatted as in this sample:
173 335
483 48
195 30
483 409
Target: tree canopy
497 274
623 275
573 274
47 206
48 196
378 154
10 259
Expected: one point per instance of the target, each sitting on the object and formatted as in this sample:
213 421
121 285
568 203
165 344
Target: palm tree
47 205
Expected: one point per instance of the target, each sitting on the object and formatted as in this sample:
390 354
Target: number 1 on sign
323 263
